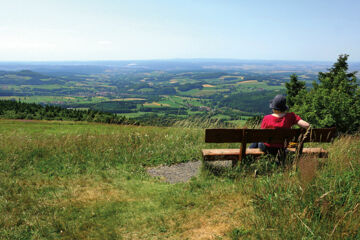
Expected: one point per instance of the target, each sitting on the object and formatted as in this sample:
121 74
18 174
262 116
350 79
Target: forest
31 111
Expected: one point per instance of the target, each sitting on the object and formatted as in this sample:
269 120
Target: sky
60 30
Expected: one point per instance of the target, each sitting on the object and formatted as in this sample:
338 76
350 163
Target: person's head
278 104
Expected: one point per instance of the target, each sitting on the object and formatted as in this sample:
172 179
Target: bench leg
242 154
234 163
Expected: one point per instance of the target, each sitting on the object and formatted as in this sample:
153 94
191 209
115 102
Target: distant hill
211 65
27 77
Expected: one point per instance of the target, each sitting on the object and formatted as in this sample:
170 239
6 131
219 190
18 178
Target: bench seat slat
236 151
233 154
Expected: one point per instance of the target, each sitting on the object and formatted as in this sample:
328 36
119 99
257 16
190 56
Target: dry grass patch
86 191
93 194
156 104
126 99
308 166
233 211
189 98
230 76
248 81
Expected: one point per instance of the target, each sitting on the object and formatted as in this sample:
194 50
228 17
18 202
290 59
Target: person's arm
303 124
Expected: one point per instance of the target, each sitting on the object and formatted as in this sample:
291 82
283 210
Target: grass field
132 115
177 101
75 180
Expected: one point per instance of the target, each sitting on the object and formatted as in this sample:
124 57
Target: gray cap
279 103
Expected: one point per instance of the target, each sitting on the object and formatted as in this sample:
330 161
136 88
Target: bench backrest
279 135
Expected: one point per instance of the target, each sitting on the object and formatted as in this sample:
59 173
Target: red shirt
286 121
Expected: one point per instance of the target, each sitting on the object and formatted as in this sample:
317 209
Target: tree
333 101
338 78
292 89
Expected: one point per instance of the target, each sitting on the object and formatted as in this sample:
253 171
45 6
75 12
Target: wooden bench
280 136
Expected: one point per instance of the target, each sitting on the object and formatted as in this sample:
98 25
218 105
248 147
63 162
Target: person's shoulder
293 115
266 121
267 116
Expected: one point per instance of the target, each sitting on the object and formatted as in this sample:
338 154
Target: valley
229 91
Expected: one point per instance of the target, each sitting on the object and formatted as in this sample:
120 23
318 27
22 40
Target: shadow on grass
251 166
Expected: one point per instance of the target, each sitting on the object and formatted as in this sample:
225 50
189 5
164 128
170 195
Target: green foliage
334 101
250 102
238 233
293 88
31 111
189 86
115 106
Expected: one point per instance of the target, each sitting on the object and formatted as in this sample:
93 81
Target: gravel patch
182 172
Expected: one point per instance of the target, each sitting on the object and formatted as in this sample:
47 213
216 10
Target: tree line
10 109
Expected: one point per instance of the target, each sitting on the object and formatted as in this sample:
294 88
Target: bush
334 101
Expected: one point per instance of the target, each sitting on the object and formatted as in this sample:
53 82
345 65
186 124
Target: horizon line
168 59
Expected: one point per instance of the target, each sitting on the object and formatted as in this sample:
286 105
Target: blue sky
43 30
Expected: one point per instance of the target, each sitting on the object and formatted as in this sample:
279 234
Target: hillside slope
76 180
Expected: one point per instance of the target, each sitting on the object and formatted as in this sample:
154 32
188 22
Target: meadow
78 180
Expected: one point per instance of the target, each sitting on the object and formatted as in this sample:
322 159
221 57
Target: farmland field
140 89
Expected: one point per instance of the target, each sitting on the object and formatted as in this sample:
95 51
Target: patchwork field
136 94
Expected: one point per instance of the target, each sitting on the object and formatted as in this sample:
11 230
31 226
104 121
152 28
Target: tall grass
67 180
70 180
291 206
202 122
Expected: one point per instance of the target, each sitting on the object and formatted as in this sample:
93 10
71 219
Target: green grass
320 200
203 92
191 92
221 116
75 180
132 115
78 180
238 123
246 87
177 101
172 101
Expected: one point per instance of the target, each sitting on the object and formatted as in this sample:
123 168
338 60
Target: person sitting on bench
280 118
